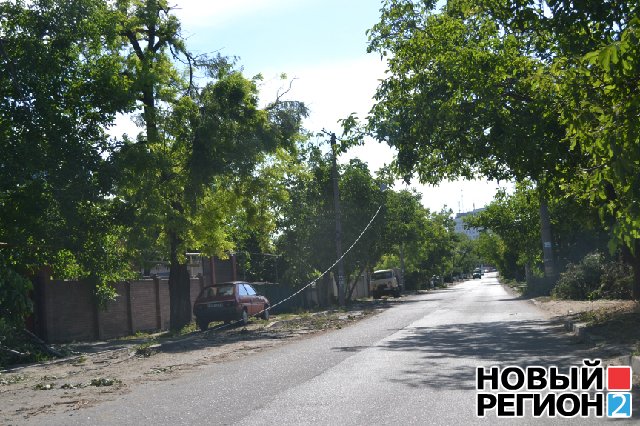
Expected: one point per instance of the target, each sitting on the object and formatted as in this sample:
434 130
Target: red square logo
619 378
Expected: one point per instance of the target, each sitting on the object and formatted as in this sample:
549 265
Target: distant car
230 301
477 273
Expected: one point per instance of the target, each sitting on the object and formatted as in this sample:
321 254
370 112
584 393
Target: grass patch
595 317
100 382
12 379
147 349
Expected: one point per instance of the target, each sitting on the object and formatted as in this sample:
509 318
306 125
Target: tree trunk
179 289
354 284
527 274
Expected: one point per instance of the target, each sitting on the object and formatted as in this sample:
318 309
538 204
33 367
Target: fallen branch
14 352
42 344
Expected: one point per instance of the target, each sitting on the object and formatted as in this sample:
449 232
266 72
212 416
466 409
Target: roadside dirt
606 322
105 371
102 372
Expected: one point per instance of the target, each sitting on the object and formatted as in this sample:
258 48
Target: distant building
472 233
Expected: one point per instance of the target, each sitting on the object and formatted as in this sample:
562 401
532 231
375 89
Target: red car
231 301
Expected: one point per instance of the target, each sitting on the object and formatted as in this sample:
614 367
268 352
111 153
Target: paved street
412 364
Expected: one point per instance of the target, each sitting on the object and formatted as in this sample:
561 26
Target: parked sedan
230 301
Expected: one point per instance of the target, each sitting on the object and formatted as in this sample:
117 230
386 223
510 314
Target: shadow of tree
449 354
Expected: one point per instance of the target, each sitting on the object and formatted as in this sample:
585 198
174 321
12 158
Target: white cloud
331 90
196 13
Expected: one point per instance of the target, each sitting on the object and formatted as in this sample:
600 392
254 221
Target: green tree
419 241
467 95
591 52
61 88
515 219
465 256
308 221
193 167
598 66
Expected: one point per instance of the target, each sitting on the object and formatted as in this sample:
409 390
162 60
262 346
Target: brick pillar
41 309
127 290
234 268
212 263
156 287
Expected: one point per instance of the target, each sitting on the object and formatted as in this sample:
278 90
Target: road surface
414 363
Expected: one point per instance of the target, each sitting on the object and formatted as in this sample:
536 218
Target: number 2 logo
618 404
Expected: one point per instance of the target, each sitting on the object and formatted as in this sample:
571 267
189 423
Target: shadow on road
503 343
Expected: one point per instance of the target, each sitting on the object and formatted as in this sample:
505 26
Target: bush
594 278
15 306
616 282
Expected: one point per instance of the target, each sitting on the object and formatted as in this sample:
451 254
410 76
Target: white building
472 233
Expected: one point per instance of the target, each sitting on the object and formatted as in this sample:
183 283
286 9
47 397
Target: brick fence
67 310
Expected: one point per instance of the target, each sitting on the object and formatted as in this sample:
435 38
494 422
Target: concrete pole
547 245
336 204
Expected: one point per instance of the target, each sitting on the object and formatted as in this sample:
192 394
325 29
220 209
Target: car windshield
219 290
382 275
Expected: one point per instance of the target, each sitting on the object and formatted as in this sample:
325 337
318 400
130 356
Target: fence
67 310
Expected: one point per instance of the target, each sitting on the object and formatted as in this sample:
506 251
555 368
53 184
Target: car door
256 301
244 298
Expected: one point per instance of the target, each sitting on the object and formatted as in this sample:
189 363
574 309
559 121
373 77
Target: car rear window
382 275
219 290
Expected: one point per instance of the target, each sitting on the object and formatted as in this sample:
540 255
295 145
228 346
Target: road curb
580 330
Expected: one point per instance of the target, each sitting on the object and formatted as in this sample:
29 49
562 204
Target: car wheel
376 295
202 324
265 313
396 294
245 317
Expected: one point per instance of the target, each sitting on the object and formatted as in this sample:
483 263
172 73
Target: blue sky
321 45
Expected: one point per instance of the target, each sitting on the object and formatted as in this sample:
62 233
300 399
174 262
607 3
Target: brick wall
67 310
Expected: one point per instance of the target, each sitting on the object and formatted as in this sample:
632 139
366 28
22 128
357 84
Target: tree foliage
464 96
199 149
59 94
545 91
515 219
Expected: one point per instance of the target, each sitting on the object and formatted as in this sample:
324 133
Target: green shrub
15 306
594 278
580 280
616 282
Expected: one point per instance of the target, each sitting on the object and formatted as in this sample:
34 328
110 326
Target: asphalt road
414 363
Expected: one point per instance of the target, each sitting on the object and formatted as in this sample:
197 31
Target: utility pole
547 246
336 205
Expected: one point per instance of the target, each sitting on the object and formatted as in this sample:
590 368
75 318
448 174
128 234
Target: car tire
376 295
265 313
202 324
396 294
244 319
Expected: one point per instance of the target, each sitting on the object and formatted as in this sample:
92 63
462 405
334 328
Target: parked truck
385 281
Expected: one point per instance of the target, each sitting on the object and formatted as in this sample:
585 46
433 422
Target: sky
321 46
